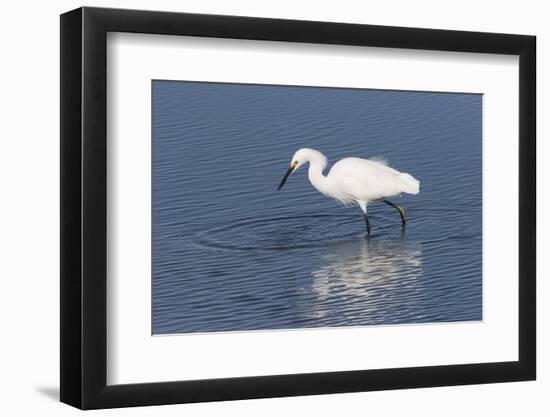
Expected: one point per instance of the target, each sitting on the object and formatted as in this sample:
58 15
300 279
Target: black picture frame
84 207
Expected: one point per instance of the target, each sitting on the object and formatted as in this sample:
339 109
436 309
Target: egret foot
399 209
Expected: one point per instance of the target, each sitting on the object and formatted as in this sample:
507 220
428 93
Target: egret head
299 158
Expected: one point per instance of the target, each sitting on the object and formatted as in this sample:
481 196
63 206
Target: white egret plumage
355 180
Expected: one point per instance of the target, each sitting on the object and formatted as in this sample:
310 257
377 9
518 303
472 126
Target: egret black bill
290 171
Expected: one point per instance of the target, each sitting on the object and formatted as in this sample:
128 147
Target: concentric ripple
309 231
281 233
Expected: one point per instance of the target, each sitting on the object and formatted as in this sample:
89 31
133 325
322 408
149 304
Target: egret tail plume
410 184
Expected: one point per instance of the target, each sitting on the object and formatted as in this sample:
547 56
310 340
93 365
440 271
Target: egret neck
317 164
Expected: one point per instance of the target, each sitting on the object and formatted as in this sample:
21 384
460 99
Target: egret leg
363 205
399 209
367 224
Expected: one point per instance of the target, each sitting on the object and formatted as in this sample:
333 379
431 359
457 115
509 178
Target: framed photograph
257 208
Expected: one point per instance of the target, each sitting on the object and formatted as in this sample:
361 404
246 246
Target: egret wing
371 180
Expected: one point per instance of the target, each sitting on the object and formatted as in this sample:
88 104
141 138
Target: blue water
231 253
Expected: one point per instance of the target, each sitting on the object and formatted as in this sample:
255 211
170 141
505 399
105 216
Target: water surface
231 253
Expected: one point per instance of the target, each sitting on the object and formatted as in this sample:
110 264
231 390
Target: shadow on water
354 278
369 272
369 258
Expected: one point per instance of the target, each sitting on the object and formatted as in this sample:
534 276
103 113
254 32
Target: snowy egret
355 180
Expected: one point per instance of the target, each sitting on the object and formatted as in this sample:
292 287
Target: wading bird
355 180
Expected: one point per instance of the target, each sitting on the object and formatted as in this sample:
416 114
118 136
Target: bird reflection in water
368 280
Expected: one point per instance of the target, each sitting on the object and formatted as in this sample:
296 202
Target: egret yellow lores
355 180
